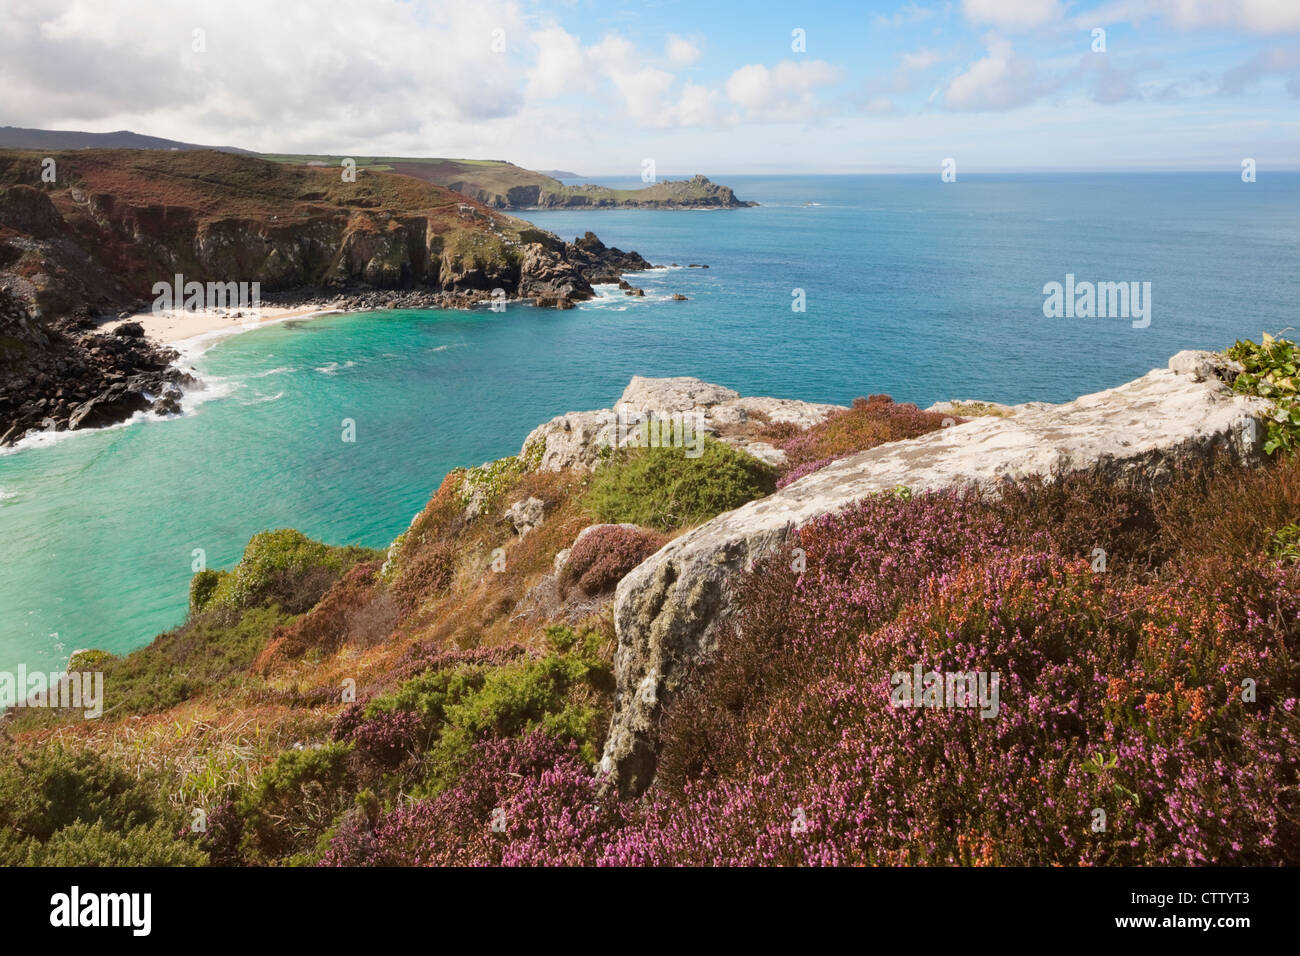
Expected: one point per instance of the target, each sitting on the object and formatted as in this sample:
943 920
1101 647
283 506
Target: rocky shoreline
64 375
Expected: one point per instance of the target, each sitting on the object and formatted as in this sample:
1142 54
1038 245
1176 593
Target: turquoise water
916 288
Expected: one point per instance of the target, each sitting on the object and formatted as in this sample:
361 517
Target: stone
579 439
526 514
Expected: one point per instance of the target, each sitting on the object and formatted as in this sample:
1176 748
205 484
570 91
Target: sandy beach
174 326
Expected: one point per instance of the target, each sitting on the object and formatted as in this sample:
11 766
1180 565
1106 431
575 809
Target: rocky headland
89 246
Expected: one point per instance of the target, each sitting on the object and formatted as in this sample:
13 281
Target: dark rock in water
115 405
600 263
553 302
678 297
169 404
624 284
635 291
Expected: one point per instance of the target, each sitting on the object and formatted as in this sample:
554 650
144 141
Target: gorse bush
52 798
283 567
94 844
294 801
664 489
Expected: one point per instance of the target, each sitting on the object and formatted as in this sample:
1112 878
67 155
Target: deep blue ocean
921 289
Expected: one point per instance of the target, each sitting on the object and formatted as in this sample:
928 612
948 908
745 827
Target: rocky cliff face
668 609
114 222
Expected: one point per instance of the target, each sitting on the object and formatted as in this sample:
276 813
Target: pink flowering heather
549 806
1146 715
870 422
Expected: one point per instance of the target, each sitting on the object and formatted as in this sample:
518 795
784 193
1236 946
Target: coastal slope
733 631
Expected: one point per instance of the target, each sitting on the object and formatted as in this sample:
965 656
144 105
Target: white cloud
919 59
785 91
559 66
905 16
1265 17
680 51
1011 14
1256 16
1002 80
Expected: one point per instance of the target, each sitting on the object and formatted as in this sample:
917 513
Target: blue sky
598 86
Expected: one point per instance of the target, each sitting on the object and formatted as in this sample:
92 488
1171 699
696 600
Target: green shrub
1271 372
295 800
89 660
1285 543
662 488
487 481
201 587
49 789
94 844
283 567
52 799
470 702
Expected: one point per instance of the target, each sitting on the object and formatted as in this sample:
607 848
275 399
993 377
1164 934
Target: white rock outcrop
668 608
577 439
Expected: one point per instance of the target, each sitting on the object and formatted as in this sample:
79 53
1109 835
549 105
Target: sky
599 87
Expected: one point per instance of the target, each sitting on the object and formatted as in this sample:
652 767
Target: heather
869 422
604 555
1120 692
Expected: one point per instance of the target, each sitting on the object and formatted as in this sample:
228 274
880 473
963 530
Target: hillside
504 185
115 222
17 137
732 626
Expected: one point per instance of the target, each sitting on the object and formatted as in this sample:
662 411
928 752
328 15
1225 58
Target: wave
6 495
264 399
274 371
333 368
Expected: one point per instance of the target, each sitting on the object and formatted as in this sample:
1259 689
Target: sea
833 287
